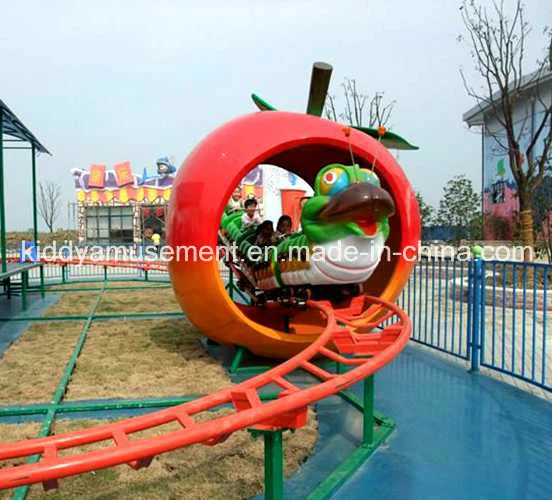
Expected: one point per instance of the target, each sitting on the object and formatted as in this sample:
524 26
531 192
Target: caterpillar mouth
368 225
362 203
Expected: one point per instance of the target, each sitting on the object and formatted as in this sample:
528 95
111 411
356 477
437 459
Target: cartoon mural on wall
500 202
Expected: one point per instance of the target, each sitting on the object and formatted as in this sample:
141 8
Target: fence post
475 333
41 270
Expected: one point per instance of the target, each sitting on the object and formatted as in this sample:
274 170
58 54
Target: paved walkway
459 436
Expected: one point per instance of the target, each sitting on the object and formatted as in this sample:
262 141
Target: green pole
368 423
107 405
24 284
273 465
2 205
35 218
238 358
35 214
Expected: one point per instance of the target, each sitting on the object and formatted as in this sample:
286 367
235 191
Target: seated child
265 234
250 217
234 203
283 228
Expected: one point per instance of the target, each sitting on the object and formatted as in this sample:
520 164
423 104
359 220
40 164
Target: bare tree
497 45
49 203
360 109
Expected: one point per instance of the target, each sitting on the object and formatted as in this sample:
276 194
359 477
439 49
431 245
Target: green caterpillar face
348 201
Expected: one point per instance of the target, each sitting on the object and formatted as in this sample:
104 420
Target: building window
109 225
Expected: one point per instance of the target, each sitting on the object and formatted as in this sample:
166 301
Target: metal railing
495 314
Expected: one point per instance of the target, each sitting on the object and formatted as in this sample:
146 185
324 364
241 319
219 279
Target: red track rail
346 332
70 261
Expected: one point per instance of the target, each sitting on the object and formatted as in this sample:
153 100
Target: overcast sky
107 81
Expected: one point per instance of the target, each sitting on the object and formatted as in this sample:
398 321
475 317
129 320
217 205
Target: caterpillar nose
359 199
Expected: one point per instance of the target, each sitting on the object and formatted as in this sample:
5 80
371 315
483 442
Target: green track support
235 365
273 465
376 429
351 464
273 462
368 411
93 406
238 358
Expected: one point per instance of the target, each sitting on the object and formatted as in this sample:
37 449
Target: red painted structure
301 144
291 205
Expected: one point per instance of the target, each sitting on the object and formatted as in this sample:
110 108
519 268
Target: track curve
347 333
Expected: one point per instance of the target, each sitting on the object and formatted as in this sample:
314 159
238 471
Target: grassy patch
162 299
146 358
151 299
31 368
77 303
111 284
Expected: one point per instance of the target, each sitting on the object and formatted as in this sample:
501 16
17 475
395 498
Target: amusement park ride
302 310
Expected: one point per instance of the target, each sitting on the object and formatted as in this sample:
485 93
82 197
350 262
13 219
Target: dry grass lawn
161 300
111 284
32 366
151 299
148 358
77 303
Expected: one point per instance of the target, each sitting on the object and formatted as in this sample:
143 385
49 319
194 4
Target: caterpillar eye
330 177
371 176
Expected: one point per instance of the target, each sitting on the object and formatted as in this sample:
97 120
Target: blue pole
475 334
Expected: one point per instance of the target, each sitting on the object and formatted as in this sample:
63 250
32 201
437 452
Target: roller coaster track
145 265
351 337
